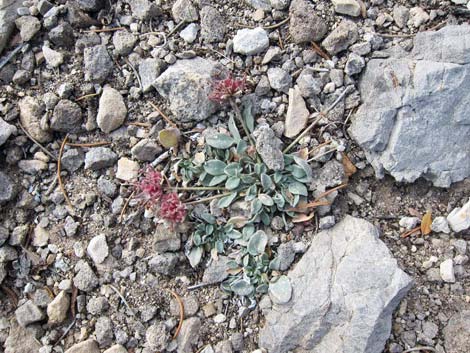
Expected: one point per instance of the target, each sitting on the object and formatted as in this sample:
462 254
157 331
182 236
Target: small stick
122 298
222 55
167 119
10 56
322 154
326 193
210 198
135 72
411 231
105 30
195 188
160 158
415 349
121 215
176 28
37 143
326 143
387 35
91 144
59 178
279 24
159 33
11 294
320 51
65 333
136 123
180 303
86 96
73 300
199 285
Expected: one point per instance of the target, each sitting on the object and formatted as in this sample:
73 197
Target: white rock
53 58
297 113
409 222
189 33
111 111
347 7
98 249
446 269
250 41
127 169
6 130
58 308
40 236
440 225
459 218
219 318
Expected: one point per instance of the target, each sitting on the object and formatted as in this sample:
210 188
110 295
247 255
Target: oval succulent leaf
257 243
297 188
220 141
217 180
227 200
242 287
215 167
232 127
266 199
232 183
195 256
169 137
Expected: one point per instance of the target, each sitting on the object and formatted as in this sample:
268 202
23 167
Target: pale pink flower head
149 187
225 88
172 209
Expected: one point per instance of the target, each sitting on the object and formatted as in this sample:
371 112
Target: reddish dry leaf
426 223
303 218
349 167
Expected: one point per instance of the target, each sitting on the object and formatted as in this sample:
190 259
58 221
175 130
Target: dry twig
86 96
91 144
181 306
45 150
320 51
326 193
73 300
105 30
167 119
11 294
121 215
210 198
411 231
122 298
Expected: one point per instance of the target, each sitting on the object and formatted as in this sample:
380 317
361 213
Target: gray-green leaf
220 141
242 287
214 167
195 256
217 180
266 199
266 182
227 200
297 188
257 243
232 127
232 183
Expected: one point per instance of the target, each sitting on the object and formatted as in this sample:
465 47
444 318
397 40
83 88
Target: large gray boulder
344 291
415 118
8 16
187 85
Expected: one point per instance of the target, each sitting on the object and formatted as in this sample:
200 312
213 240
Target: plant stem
210 198
195 188
239 116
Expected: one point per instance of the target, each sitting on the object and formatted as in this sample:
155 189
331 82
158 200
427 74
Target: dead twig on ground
164 116
91 144
410 232
44 149
135 73
86 96
320 51
122 298
326 193
11 294
100 30
121 215
210 198
181 306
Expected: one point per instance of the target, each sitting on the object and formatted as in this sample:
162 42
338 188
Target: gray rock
459 218
269 148
22 340
297 113
144 9
280 4
98 248
354 65
250 41
217 271
67 116
187 85
28 27
305 25
62 35
440 225
420 102
457 332
44 6
28 313
21 77
344 291
157 337
6 130
189 33
326 222
88 346
347 7
96 305
99 158
98 64
260 4
146 150
72 159
279 79
7 19
31 111
111 111
149 69
400 15
409 222
189 335
58 308
166 239
32 166
53 57
286 255
341 37
85 279
280 291
123 42
212 25
117 348
8 253
90 5
190 304
104 331
184 10
163 263
308 85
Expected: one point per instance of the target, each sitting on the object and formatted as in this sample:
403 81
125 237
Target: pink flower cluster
149 190
226 88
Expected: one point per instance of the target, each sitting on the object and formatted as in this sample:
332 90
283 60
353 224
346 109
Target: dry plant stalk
181 306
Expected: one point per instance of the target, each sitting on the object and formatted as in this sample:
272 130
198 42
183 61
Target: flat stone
40 236
53 57
111 111
305 25
269 148
163 263
347 7
104 331
8 253
98 249
85 279
213 25
341 37
73 159
146 150
297 113
32 166
354 65
279 79
407 120
6 130
184 10
440 225
144 9
98 64
189 33
459 218
22 340
457 332
127 169
166 239
28 313
187 85
217 271
58 308
149 69
190 304
344 291
189 335
62 35
280 291
446 269
88 346
31 112
28 26
99 158
250 41
157 337
123 42
67 116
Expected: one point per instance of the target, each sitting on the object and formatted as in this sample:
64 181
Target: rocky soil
88 85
